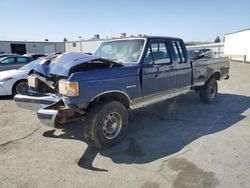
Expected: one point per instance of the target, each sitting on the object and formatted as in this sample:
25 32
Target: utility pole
80 37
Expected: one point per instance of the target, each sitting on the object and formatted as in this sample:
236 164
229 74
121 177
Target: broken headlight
69 89
32 81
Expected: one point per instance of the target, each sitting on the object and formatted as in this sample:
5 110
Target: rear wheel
209 91
20 87
106 124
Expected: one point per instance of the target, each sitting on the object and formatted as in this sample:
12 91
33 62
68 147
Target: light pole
80 37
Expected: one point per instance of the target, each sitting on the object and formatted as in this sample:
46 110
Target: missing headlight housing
32 81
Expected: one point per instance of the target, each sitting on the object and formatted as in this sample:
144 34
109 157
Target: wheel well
14 85
216 75
117 96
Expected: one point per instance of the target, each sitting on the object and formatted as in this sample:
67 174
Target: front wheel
20 87
209 91
106 124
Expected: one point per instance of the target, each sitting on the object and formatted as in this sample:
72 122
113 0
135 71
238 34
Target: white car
14 82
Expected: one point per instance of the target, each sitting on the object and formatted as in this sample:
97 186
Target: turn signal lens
69 89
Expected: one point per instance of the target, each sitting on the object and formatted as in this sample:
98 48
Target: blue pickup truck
122 74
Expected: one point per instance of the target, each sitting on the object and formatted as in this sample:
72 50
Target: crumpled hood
61 64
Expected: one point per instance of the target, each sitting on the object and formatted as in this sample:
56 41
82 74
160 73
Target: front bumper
4 90
35 102
46 107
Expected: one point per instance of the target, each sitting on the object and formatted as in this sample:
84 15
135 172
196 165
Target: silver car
14 62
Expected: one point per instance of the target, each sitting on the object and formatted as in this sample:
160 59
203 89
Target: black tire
209 91
20 87
100 121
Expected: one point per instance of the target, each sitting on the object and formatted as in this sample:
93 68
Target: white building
23 47
238 44
84 46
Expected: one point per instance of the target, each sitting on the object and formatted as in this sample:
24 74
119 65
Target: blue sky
191 20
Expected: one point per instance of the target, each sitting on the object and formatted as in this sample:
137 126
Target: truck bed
203 69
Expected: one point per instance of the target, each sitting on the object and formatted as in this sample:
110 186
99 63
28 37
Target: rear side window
21 59
179 52
157 54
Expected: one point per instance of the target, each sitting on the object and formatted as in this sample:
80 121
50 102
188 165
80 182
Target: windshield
2 58
123 51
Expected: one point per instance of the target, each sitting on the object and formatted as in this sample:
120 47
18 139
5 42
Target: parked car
14 81
14 62
200 54
122 74
35 55
6 55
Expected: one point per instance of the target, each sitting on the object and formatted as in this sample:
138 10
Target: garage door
18 48
49 49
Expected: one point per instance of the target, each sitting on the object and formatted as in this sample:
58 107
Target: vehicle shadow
9 97
164 129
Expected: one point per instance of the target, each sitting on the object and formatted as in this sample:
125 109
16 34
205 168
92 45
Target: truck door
158 73
182 65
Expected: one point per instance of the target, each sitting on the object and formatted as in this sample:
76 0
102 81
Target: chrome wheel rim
212 91
22 88
112 125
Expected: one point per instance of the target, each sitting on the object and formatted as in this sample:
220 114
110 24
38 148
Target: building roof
18 41
237 31
90 40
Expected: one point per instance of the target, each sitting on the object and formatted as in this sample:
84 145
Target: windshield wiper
117 61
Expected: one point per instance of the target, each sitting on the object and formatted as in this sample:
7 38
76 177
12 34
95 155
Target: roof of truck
144 37
157 37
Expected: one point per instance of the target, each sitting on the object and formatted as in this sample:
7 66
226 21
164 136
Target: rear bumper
45 107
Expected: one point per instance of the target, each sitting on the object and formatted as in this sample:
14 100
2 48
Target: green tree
217 40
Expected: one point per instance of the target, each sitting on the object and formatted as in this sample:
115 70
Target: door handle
157 66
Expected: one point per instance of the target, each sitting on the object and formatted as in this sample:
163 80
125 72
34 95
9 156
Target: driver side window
157 54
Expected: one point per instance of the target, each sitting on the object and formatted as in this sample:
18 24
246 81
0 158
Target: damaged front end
51 109
42 105
50 91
